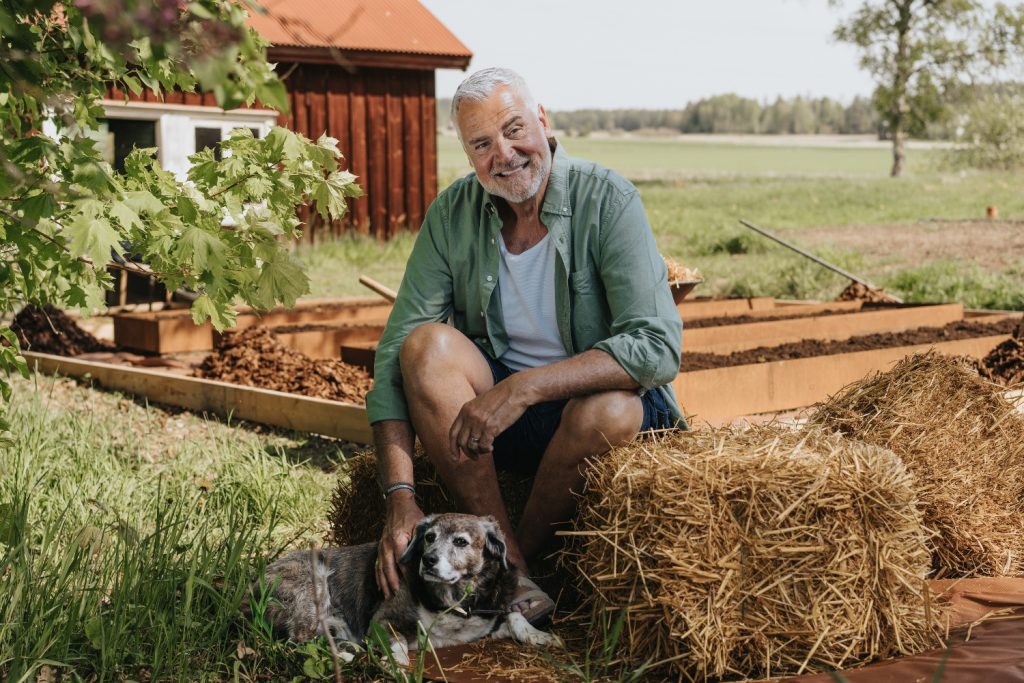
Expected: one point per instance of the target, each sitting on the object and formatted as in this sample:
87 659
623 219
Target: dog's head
450 547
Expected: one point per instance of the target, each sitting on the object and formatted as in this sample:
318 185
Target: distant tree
924 53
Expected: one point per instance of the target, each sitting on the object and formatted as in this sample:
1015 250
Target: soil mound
50 330
1005 365
254 357
856 291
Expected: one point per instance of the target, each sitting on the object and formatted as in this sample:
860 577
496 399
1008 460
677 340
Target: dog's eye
460 542
430 537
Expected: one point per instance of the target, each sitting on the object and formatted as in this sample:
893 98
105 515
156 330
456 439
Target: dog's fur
450 555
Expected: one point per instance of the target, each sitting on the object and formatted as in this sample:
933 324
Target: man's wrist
402 495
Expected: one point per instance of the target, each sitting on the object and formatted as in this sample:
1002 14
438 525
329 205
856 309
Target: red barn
360 70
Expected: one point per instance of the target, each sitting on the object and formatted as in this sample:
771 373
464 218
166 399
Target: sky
656 54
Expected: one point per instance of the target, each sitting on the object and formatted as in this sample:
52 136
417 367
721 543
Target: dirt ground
992 245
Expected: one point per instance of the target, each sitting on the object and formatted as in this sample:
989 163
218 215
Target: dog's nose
429 560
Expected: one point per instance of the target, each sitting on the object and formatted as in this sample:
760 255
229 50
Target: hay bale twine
357 514
964 443
757 553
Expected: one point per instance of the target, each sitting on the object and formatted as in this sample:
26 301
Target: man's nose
429 560
506 150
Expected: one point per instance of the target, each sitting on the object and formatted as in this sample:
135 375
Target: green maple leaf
281 279
204 250
125 215
217 312
95 237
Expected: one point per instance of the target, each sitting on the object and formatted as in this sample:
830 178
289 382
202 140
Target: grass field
817 197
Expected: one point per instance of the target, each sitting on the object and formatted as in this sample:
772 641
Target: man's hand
482 419
399 524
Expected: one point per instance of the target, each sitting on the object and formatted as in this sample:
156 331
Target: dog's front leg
519 629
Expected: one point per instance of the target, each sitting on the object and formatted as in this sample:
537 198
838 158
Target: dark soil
50 330
724 320
254 357
1005 365
810 348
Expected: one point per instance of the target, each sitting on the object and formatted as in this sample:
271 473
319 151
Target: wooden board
173 331
718 395
289 411
690 309
829 327
327 343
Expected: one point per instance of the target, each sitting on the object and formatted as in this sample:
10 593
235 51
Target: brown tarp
985 619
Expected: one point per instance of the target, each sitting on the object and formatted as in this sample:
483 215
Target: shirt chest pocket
589 307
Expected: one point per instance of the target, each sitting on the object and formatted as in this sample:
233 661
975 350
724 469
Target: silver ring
474 439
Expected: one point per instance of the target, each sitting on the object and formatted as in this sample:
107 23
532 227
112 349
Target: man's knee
426 343
608 418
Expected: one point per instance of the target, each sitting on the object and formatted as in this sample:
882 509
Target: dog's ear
415 546
494 541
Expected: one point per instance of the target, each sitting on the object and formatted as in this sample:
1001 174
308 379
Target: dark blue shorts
521 447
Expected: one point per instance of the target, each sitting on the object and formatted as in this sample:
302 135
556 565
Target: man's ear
542 116
494 541
415 546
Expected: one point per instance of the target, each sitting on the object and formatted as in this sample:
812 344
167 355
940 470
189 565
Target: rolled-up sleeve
646 331
424 296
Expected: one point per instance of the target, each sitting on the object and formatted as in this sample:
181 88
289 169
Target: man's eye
430 537
515 131
460 542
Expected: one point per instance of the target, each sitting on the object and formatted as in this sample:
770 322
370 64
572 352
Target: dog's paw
521 631
400 652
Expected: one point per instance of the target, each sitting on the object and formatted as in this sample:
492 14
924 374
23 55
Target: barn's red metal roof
390 26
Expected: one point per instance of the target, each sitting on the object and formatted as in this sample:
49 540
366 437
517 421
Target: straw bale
357 514
758 553
964 443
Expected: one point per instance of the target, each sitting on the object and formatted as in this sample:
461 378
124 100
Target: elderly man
534 329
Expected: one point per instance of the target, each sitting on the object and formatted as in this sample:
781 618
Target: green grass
128 536
654 158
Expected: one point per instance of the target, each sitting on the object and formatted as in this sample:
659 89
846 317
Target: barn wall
385 122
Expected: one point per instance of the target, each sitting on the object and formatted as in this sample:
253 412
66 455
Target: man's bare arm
395 442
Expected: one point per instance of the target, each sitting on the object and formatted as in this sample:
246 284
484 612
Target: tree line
727 113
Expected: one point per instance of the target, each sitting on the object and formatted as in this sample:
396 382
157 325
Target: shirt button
481 314
492 240
489 278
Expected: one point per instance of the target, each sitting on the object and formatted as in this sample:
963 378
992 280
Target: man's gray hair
481 84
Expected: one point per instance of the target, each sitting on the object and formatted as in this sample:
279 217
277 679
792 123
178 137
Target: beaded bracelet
397 486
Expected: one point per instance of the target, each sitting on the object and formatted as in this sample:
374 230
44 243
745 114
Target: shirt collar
556 197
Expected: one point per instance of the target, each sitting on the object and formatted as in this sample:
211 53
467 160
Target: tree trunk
900 84
899 156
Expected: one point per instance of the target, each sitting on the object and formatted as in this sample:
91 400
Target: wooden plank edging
289 411
725 339
720 394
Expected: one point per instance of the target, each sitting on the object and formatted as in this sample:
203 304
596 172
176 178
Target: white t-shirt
526 284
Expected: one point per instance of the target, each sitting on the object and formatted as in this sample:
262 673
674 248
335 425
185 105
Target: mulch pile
254 357
753 553
858 292
1005 364
964 443
809 348
50 330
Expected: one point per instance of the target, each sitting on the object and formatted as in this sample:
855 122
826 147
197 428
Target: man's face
506 141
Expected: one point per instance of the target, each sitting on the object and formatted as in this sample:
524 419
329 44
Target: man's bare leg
590 426
442 370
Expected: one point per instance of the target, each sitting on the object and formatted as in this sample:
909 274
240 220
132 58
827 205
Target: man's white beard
511 194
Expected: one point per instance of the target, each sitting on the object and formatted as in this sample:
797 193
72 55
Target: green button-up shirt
611 285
